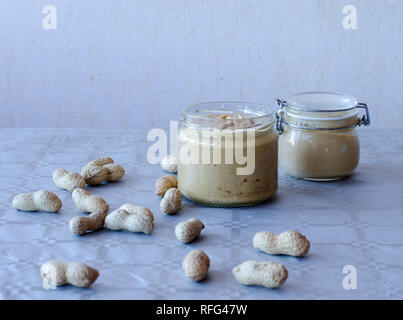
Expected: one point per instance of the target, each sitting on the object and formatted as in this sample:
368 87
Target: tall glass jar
318 139
227 154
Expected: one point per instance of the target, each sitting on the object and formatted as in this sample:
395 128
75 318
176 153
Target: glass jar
227 154
318 139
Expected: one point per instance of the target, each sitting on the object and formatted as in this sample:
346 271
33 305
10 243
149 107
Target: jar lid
321 102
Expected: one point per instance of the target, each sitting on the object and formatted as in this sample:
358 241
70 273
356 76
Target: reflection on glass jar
234 154
318 139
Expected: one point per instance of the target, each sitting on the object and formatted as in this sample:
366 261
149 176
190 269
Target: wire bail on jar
365 120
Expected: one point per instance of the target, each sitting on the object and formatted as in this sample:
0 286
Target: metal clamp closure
279 116
365 119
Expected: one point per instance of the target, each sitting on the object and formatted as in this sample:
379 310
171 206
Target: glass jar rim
320 101
264 110
217 115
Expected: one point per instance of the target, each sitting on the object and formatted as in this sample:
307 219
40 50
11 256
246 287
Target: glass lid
321 102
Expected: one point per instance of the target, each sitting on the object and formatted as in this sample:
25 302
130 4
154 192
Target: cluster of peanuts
128 217
196 264
134 218
56 273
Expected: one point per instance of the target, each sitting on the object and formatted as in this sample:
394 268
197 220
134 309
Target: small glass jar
318 140
224 130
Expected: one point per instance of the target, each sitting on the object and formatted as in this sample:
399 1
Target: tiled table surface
356 221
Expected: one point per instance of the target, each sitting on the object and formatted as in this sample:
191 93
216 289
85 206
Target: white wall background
136 63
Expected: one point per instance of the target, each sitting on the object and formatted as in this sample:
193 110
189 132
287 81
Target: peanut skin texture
290 243
56 273
268 274
80 225
102 169
187 231
196 265
68 180
170 164
86 202
41 200
131 218
172 201
163 184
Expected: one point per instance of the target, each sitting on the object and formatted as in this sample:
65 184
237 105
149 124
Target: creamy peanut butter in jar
227 154
318 139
